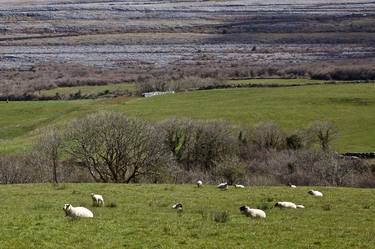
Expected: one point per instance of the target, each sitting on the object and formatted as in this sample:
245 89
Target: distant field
350 106
277 81
32 217
88 89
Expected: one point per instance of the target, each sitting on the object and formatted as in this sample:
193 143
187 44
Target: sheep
199 183
292 185
77 211
315 193
97 200
252 212
300 206
223 186
177 206
285 204
239 186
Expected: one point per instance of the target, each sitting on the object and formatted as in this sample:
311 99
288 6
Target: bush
220 216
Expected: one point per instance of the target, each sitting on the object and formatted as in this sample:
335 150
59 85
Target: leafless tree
200 144
267 136
49 146
115 148
322 132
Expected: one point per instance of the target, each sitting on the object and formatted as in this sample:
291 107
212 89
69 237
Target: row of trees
109 147
114 148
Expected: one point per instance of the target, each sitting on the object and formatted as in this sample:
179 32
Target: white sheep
177 206
252 212
315 193
223 186
97 200
292 185
239 186
77 211
199 183
285 204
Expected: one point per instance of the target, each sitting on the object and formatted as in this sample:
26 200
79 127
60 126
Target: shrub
220 216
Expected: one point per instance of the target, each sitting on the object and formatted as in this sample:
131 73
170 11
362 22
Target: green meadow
350 106
140 216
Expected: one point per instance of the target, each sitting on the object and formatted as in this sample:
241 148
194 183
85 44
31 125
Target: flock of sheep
250 212
254 212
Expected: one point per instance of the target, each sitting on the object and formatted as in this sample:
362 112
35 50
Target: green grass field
301 81
32 217
350 106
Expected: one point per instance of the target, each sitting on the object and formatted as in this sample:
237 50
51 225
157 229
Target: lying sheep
315 193
291 185
287 204
223 186
252 212
97 200
77 211
177 206
239 186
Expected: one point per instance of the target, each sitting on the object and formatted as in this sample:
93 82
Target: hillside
350 106
49 43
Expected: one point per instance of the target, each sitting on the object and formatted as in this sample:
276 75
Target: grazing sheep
223 186
199 183
291 185
97 200
77 211
252 212
315 193
285 204
300 206
239 186
177 206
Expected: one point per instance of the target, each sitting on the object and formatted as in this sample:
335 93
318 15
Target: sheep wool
199 183
292 185
223 186
77 211
97 199
285 204
315 193
239 186
252 212
177 206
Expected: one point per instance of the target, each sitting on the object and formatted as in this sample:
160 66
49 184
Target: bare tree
199 143
49 146
114 148
323 133
267 136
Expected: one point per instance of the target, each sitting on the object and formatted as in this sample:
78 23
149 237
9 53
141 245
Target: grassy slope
32 217
351 107
278 81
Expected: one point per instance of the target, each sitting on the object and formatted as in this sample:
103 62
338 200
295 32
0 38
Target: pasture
350 106
141 216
